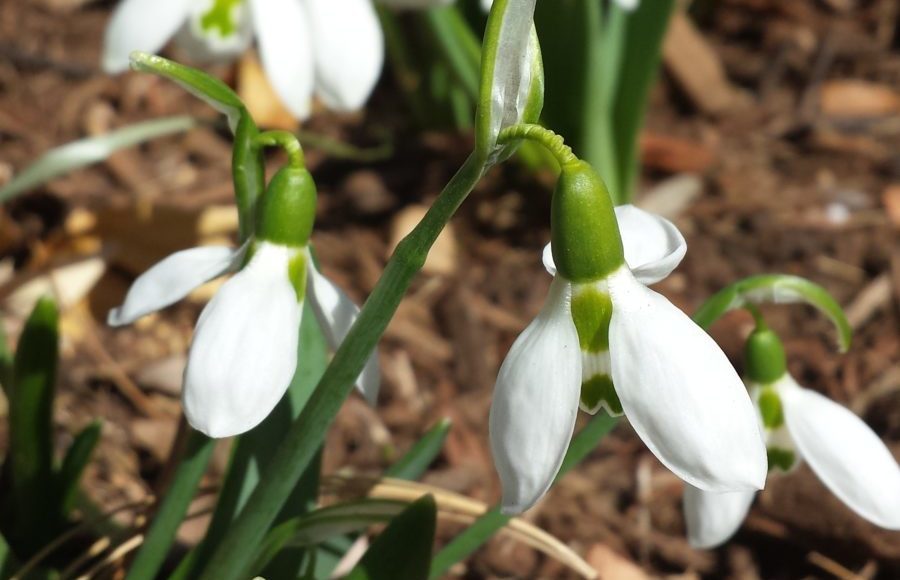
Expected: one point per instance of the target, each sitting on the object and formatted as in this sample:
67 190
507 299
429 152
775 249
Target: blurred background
772 140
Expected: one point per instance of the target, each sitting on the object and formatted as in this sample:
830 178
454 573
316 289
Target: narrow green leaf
300 444
776 289
6 361
76 459
174 506
639 67
84 152
323 524
403 550
492 521
412 465
207 88
8 562
457 44
30 459
567 28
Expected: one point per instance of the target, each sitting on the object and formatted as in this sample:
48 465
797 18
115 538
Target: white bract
244 351
841 449
333 48
617 345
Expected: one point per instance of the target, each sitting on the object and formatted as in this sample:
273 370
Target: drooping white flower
333 48
244 351
846 455
617 345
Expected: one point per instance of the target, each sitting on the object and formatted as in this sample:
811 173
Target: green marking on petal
297 274
220 17
770 408
591 313
783 459
599 391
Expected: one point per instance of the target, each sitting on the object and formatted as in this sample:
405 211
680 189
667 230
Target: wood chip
851 98
696 67
610 564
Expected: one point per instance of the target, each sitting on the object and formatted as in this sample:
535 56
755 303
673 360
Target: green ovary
770 409
591 313
779 458
599 390
220 18
297 274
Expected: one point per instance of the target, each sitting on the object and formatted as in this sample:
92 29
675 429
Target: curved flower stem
551 141
299 445
288 142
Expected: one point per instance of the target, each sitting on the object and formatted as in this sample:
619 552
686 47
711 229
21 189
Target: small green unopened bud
585 235
286 212
766 361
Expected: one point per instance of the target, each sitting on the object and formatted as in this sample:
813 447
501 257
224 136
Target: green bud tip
587 245
287 211
766 360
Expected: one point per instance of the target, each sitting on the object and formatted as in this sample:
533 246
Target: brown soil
776 166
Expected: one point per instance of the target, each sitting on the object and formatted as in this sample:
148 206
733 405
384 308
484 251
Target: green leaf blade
414 463
403 550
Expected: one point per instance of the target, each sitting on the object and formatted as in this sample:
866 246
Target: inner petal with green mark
297 273
783 459
221 18
591 314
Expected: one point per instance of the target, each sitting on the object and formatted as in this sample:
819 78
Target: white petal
845 453
680 393
172 279
486 5
348 48
336 313
711 518
210 45
282 29
653 245
144 25
536 401
244 351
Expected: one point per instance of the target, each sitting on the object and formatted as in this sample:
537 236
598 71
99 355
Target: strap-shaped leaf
416 461
323 524
776 289
203 86
84 152
30 460
77 457
6 361
403 550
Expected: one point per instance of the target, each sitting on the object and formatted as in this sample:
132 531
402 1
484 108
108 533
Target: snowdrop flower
333 48
244 351
605 341
801 424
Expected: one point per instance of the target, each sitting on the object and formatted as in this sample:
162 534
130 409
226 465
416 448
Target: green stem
551 141
288 142
492 521
173 508
300 443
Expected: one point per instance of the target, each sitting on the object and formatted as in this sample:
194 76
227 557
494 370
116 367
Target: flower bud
586 242
766 362
286 212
